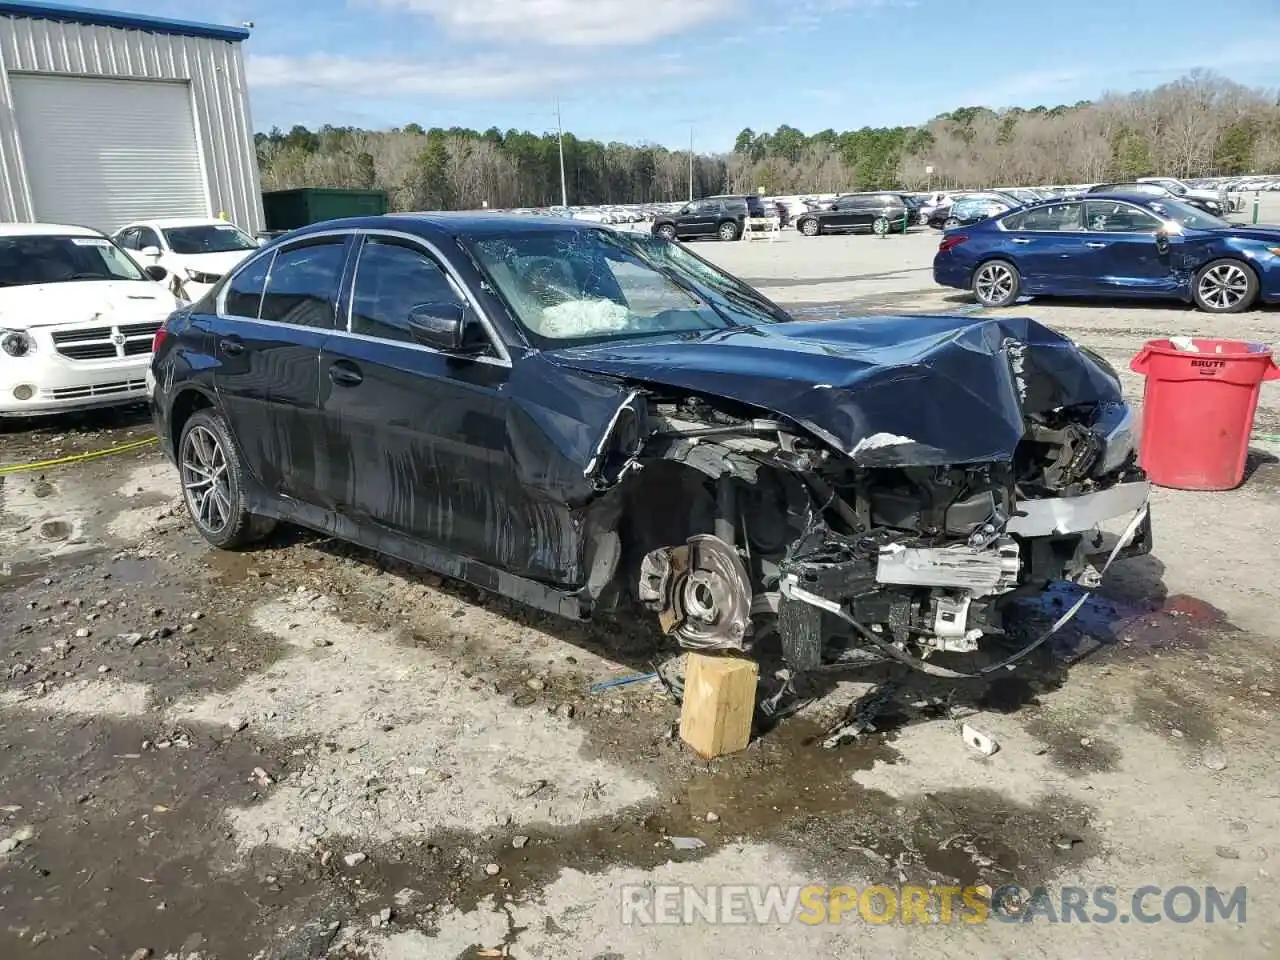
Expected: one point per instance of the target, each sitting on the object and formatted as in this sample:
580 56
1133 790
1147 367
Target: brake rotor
712 600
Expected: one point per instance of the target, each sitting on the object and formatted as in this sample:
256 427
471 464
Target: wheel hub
701 592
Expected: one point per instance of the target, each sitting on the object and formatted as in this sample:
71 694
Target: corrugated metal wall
214 69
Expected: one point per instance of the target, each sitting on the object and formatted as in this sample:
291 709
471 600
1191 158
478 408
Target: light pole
691 163
564 190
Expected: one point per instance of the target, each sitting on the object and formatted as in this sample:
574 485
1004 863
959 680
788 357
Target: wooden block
719 700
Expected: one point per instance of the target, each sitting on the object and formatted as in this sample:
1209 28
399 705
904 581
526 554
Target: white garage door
104 152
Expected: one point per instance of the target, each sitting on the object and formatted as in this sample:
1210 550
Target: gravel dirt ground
307 751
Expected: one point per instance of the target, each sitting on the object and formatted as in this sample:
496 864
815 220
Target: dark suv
857 213
721 217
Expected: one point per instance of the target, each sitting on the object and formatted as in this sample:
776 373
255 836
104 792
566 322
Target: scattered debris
16 839
531 788
1213 759
713 817
355 859
519 842
1227 853
686 843
978 740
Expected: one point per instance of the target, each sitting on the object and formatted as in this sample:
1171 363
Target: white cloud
473 80
568 23
1018 89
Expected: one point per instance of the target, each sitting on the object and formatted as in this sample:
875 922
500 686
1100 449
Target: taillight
158 339
952 241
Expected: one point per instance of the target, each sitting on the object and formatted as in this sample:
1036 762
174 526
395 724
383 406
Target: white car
1180 189
77 319
196 252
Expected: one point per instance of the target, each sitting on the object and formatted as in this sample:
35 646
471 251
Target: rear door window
1054 218
303 284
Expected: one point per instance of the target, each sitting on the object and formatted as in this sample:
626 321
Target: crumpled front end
866 550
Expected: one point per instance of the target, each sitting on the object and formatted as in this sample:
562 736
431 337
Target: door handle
1096 246
231 348
1021 240
346 375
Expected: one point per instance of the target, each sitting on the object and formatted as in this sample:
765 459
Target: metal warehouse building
109 117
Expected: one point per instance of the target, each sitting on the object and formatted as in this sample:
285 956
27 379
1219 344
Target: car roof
456 224
46 230
163 222
1127 196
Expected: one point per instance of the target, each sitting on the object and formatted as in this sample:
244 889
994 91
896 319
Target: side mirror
449 327
156 272
1162 242
152 252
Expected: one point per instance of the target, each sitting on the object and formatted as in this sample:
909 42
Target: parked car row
1124 243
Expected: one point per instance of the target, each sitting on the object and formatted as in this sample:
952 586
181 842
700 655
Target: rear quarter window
244 291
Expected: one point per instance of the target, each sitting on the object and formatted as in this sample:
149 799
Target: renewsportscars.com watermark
814 904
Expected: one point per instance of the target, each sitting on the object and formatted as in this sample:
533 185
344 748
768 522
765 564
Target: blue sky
648 70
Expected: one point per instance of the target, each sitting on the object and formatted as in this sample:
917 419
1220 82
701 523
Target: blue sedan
1113 245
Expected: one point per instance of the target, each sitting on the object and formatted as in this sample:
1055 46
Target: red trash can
1197 411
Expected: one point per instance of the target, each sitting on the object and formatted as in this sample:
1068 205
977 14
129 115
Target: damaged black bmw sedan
588 421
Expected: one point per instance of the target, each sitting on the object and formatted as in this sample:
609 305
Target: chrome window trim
503 358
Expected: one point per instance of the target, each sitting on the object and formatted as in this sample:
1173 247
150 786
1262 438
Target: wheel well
184 405
991 258
1236 260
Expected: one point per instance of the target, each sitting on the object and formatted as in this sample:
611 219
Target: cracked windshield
595 285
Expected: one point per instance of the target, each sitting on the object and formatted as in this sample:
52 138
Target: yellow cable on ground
77 457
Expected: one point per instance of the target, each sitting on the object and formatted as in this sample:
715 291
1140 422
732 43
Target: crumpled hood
75 301
922 390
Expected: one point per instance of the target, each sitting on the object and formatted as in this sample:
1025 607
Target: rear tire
950 223
996 283
212 477
1225 286
728 231
809 227
667 231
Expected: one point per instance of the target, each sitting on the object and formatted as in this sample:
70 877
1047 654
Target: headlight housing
197 276
1116 425
16 343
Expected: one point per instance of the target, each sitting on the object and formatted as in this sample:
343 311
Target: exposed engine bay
849 562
